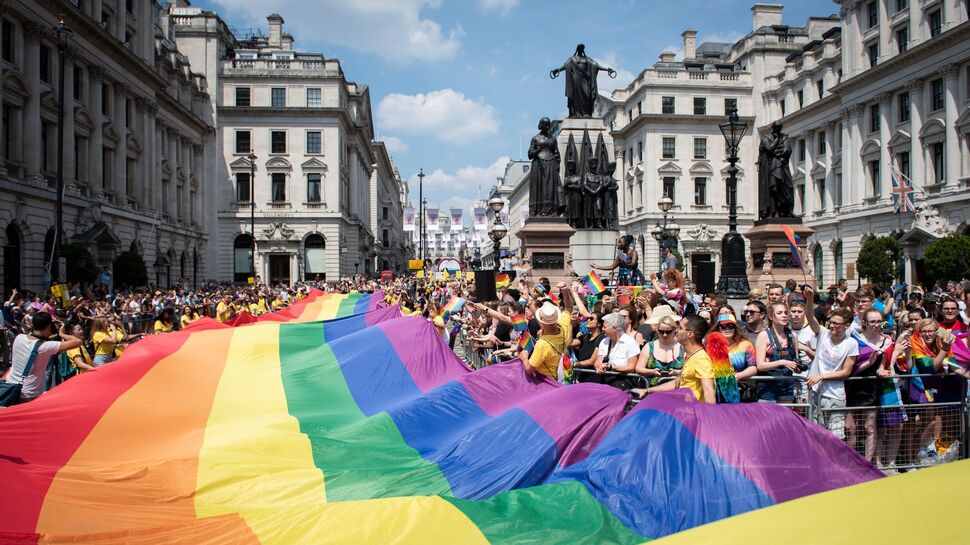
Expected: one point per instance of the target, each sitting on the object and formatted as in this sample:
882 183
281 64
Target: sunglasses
726 326
665 331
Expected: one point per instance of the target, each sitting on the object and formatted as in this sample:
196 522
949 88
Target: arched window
242 255
11 261
837 254
315 258
818 263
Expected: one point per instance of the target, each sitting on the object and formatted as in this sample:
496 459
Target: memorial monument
771 259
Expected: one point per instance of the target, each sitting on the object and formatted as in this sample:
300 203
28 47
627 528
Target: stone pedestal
771 259
545 242
592 246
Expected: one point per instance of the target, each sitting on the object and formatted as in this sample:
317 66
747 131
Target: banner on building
431 219
409 219
505 216
523 214
479 219
456 218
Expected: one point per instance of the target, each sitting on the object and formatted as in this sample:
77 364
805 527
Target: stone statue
593 197
545 190
605 167
581 88
776 190
573 186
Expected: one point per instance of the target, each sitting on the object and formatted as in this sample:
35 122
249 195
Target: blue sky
457 87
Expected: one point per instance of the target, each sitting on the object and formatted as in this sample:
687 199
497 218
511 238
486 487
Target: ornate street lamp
498 231
63 38
733 281
421 204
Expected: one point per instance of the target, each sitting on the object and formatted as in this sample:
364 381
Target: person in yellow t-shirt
79 356
261 304
555 332
698 371
276 304
103 336
165 322
222 309
188 316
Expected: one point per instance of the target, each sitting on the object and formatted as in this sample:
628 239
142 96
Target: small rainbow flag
793 243
525 342
502 280
594 283
453 306
520 268
519 323
540 290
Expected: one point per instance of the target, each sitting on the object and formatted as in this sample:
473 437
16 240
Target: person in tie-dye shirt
740 352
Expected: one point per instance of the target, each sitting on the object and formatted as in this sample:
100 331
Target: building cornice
675 119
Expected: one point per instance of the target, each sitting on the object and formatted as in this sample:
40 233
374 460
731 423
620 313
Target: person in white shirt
835 357
807 342
617 352
51 345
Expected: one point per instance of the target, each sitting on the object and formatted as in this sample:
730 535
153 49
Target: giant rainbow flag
338 421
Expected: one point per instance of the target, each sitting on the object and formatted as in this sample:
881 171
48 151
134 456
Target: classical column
96 141
120 22
95 11
917 159
951 77
854 148
31 121
808 201
70 176
173 181
885 181
830 187
121 151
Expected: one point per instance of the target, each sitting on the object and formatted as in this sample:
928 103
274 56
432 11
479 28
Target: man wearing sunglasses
753 320
698 371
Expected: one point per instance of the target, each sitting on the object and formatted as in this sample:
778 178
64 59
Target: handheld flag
520 268
502 280
793 243
453 306
519 323
525 342
902 191
540 290
594 283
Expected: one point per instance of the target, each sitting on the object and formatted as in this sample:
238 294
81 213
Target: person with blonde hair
664 356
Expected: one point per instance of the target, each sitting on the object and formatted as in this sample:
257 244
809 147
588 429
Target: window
937 152
244 141
820 142
313 187
243 96
801 150
313 142
629 114
800 95
130 6
783 108
901 5
313 99
820 87
874 124
640 151
45 64
639 107
700 106
243 186
874 178
837 253
838 137
730 104
668 187
106 99
384 212
700 191
78 83
242 252
902 101
700 148
902 162
385 238
127 113
279 187
937 95
278 95
820 188
872 14
8 41
873 53
837 191
902 39
818 262
277 141
669 144
936 23
667 105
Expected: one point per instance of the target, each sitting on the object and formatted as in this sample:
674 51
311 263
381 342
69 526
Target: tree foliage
948 258
879 260
81 266
130 270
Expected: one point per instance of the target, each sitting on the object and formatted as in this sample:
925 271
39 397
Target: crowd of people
884 368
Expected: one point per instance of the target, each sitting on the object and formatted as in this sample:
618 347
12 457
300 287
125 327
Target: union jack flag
902 191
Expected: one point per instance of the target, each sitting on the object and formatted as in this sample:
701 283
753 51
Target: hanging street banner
431 219
479 219
456 218
409 219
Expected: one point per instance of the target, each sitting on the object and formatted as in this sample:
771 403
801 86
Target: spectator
630 318
863 390
950 314
79 357
776 293
807 342
556 331
776 350
662 357
587 344
740 353
834 359
698 371
617 352
754 314
38 348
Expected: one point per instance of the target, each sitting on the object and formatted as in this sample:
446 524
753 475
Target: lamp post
252 212
498 231
733 281
664 232
63 36
421 213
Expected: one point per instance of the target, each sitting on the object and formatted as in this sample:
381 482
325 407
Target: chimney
690 43
766 15
287 41
275 31
668 56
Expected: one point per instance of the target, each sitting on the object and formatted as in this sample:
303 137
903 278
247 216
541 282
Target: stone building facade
138 132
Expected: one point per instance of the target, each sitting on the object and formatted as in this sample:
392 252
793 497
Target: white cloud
446 114
502 6
720 37
393 29
607 84
677 50
465 183
395 144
